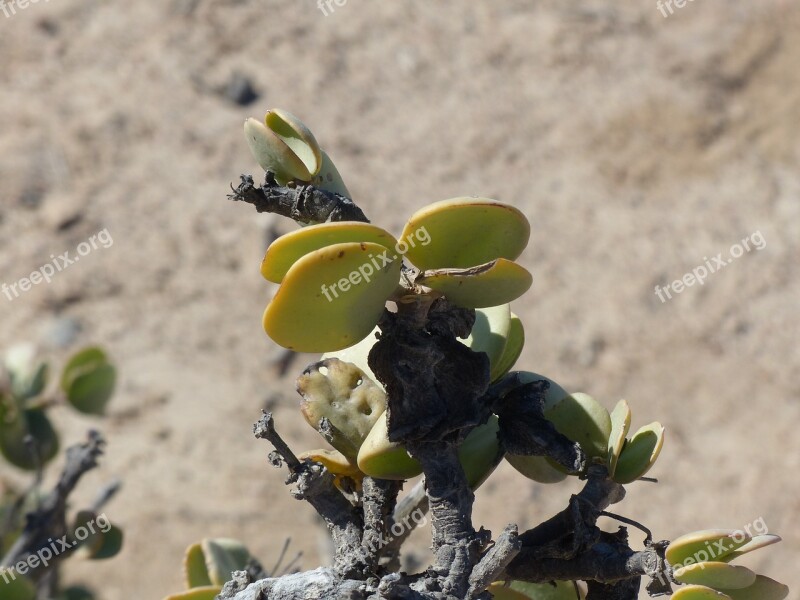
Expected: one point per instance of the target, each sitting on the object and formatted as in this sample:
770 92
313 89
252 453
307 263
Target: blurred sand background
636 144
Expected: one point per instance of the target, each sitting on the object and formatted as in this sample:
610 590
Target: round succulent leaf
620 425
289 248
195 571
497 282
717 575
380 458
490 334
639 453
500 591
698 592
764 588
223 557
333 460
342 393
294 133
704 545
91 391
329 179
200 593
511 353
584 420
537 468
552 590
758 542
13 433
83 361
465 232
110 544
358 354
304 317
95 536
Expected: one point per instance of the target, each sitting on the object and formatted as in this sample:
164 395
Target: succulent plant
209 565
701 561
602 436
27 437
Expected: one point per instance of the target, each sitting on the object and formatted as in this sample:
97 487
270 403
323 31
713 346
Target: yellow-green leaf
717 575
200 593
289 248
583 420
465 232
698 592
490 334
489 284
329 179
764 588
639 453
326 302
704 545
758 542
514 343
620 425
195 571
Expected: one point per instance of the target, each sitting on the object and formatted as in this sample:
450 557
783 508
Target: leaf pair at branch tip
701 560
602 436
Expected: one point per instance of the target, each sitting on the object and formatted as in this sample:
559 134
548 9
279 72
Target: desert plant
37 531
420 341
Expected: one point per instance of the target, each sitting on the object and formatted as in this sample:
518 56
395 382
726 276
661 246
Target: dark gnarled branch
302 203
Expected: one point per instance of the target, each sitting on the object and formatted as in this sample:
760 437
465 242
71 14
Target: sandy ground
639 146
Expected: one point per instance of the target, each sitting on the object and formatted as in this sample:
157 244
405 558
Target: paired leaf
289 248
493 283
758 542
465 232
698 592
514 344
583 420
210 563
306 315
639 453
14 430
620 425
764 588
329 179
717 575
89 380
284 146
704 545
199 593
490 334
